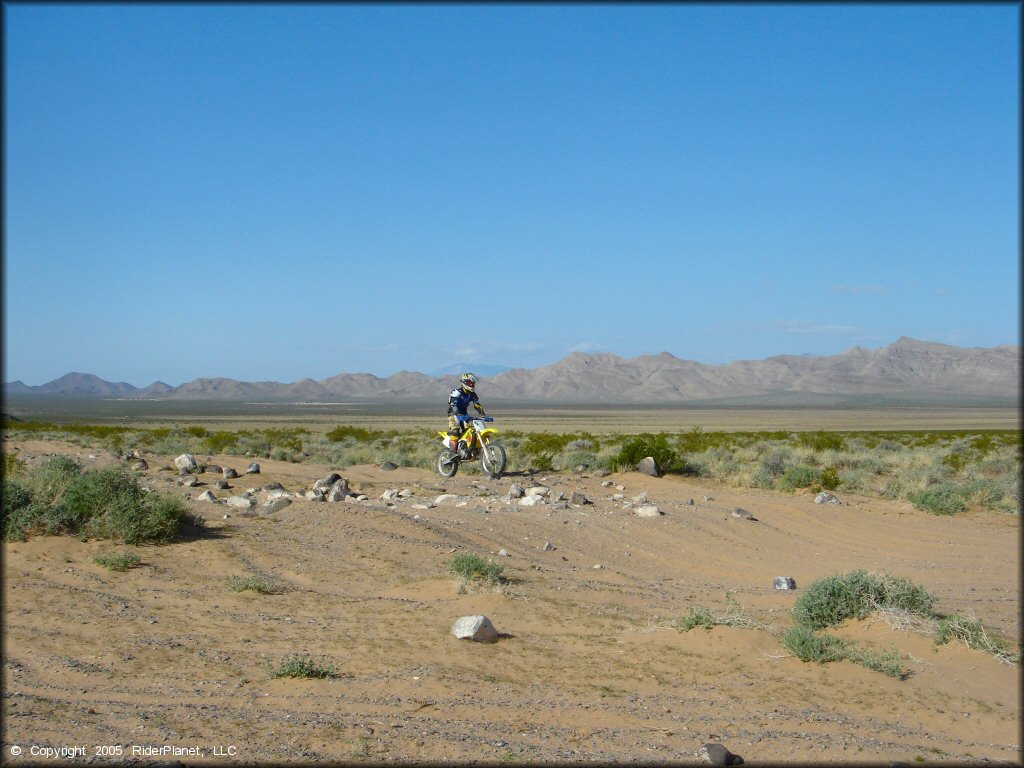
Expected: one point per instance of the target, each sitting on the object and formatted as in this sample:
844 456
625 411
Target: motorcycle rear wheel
493 459
447 463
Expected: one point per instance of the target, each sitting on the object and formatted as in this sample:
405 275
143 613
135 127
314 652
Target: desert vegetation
58 497
830 601
940 471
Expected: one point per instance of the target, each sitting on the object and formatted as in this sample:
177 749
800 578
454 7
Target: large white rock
243 502
648 466
187 462
444 498
276 505
531 500
538 490
478 628
648 510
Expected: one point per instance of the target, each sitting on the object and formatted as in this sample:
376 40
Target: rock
598 567
503 553
389 494
607 484
316 495
548 547
388 466
689 502
648 510
206 496
338 492
273 487
532 500
709 498
134 453
229 473
477 628
276 505
243 502
281 493
618 496
327 482
741 513
516 491
189 481
648 466
640 498
254 469
140 466
716 754
601 473
785 582
578 499
405 493
538 490
444 498
221 485
825 498
187 462
215 469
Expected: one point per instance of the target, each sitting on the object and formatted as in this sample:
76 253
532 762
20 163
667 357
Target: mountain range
905 372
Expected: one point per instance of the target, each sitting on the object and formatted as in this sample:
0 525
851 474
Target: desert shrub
641 446
197 431
942 499
832 600
830 479
220 442
973 634
823 648
698 617
117 561
803 643
473 568
260 584
12 464
799 476
17 499
102 503
304 667
50 480
774 461
575 459
822 441
358 434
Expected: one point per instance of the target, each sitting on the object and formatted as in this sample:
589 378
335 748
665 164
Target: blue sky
272 192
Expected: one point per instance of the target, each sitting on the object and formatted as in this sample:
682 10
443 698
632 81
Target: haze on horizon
267 193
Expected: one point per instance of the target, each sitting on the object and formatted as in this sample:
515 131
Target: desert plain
165 662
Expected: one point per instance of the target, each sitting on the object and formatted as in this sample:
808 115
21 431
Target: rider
458 405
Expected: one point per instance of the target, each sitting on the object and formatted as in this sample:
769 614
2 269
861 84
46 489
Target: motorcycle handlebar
467 417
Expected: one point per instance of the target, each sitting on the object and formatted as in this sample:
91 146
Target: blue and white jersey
459 400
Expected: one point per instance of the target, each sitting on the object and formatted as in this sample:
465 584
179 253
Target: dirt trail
589 667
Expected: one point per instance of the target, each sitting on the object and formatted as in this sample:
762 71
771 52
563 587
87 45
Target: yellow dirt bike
476 442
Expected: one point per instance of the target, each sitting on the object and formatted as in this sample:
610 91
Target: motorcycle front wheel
447 463
493 459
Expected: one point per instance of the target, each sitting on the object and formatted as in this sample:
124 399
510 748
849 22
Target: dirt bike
476 442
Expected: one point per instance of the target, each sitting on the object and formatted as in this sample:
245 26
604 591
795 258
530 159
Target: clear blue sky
272 192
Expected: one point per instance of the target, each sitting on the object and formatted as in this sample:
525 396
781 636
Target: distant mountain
906 372
460 368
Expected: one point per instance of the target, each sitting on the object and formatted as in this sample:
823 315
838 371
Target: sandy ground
589 666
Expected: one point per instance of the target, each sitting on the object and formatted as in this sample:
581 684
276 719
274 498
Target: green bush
830 601
806 645
942 499
470 567
641 446
57 497
822 441
698 617
117 561
803 643
830 478
799 476
304 667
